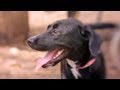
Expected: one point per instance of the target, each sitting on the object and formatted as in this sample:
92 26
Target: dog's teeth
54 57
60 52
57 55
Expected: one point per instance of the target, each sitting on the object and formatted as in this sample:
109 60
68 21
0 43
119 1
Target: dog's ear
94 40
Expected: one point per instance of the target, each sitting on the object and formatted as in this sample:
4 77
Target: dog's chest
74 70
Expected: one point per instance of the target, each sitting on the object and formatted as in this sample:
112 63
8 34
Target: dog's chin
53 57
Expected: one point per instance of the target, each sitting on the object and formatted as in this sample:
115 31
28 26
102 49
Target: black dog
69 40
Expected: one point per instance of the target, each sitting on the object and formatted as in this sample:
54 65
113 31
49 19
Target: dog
75 45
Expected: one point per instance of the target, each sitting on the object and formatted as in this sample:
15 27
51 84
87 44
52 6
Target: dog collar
89 63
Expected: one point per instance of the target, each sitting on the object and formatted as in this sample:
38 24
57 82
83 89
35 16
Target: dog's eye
83 33
48 26
55 32
55 26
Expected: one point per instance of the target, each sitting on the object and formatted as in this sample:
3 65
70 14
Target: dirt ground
20 63
16 63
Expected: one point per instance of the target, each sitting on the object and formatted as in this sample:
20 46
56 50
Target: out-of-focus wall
38 20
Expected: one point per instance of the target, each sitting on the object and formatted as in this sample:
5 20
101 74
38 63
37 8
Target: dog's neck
78 71
81 65
83 56
84 60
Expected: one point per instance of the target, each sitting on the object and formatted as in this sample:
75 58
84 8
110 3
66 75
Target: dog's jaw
52 58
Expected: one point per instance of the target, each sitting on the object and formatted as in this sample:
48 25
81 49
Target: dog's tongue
49 56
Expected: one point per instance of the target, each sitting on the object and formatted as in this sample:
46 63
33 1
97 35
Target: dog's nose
30 41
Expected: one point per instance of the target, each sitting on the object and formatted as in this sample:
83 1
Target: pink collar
89 63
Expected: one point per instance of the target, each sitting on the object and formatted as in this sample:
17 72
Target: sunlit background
18 60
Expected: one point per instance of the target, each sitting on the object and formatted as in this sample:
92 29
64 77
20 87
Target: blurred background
18 60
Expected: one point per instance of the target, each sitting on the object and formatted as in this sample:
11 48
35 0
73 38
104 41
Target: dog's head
65 39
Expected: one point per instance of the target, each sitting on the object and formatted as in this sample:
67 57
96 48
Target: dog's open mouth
52 58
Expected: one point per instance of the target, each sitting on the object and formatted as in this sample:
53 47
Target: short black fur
81 41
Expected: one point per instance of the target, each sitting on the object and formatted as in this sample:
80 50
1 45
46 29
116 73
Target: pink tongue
46 59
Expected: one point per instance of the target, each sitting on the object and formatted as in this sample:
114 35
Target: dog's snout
30 40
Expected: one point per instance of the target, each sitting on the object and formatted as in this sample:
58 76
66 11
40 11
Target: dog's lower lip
62 55
48 65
